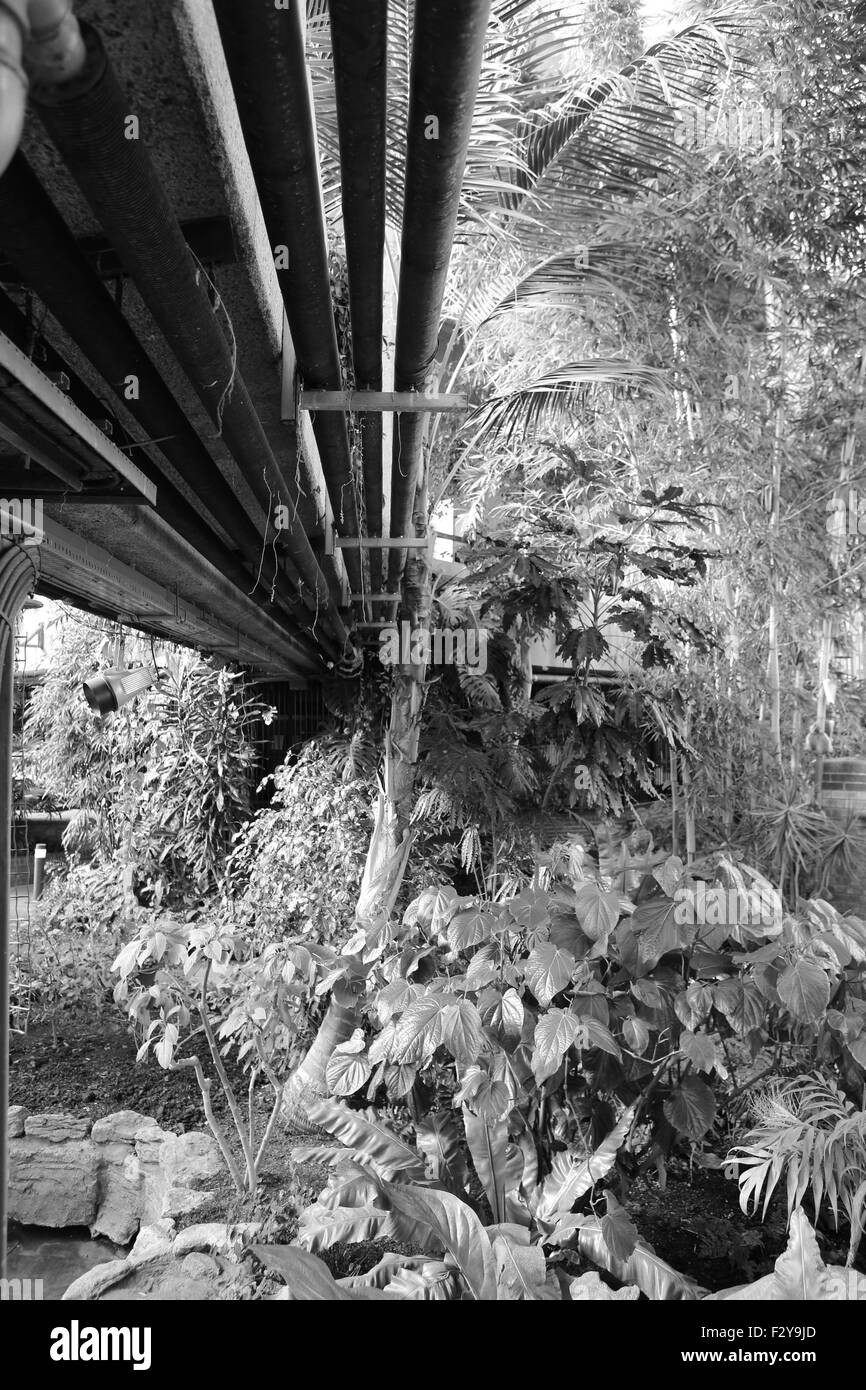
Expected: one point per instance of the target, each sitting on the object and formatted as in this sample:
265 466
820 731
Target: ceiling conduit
45 254
265 51
88 120
171 505
446 64
359 38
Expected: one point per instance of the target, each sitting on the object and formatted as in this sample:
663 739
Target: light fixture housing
110 690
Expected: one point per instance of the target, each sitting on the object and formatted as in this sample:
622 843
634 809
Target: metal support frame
403 402
29 385
17 580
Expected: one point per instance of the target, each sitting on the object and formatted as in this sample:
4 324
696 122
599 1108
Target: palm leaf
557 396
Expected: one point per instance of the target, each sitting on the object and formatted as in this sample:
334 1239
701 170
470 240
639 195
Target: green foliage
297 865
197 787
807 1131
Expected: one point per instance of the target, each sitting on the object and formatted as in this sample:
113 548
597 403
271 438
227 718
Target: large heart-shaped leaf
505 1015
440 1221
469 927
699 1049
548 970
347 1071
555 1033
461 1032
804 989
597 910
420 1026
655 922
741 1003
691 1108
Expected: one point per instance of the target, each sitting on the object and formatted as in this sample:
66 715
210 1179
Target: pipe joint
14 31
55 50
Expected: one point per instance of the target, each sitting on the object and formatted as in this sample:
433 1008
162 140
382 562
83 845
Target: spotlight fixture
110 690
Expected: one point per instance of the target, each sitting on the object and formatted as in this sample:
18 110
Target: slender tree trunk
386 856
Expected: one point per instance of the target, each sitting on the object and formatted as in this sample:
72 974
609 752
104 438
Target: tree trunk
385 866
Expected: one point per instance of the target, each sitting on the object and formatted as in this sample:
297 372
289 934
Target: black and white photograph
432 674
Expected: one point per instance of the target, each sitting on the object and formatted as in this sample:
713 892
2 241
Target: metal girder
405 402
28 395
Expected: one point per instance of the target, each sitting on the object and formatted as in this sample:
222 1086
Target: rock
152 1243
52 1183
216 1237
198 1266
55 1129
123 1126
16 1117
150 1142
97 1280
176 1287
192 1160
120 1193
589 1287
183 1201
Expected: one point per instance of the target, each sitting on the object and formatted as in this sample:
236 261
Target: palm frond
557 396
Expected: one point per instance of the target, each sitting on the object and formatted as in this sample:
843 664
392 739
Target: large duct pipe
17 580
88 120
171 505
44 34
46 256
359 38
446 63
264 49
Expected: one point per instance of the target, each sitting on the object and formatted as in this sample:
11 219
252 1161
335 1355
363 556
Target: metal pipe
359 38
13 79
447 50
88 120
265 51
39 853
46 256
17 580
54 51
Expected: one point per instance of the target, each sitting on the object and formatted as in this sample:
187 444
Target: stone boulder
55 1129
53 1183
119 1174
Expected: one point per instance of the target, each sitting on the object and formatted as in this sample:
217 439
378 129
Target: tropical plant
807 1131
175 971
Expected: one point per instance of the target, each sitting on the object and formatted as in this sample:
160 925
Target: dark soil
697 1226
85 1065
